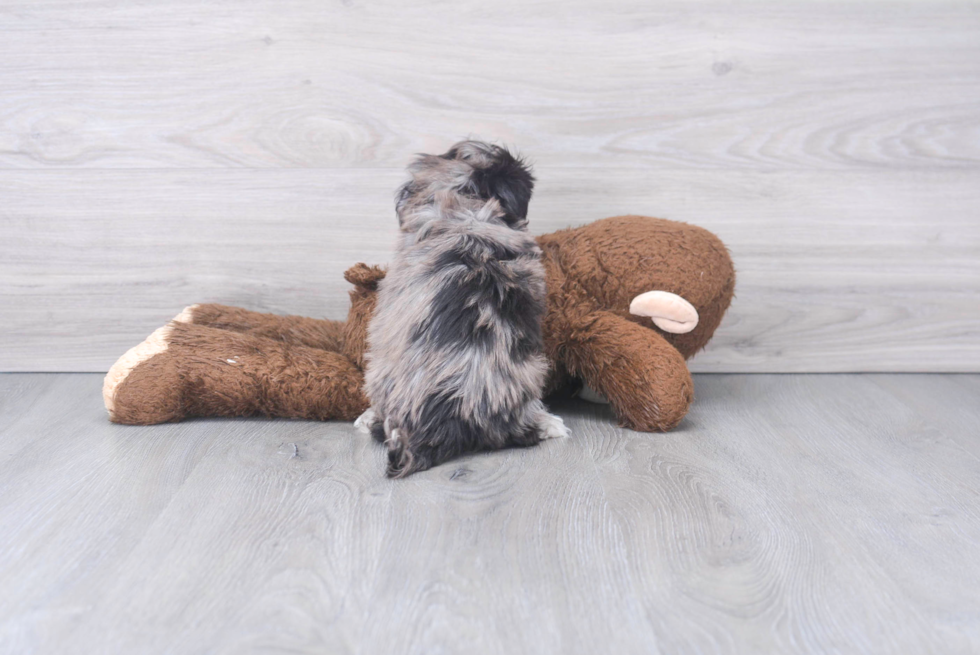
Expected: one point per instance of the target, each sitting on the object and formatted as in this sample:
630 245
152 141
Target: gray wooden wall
157 154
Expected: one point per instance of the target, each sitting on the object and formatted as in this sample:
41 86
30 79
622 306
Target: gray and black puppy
454 359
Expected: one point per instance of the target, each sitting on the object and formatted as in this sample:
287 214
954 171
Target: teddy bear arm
363 298
362 303
644 378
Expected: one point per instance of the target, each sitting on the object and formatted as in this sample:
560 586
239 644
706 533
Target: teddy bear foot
184 370
121 383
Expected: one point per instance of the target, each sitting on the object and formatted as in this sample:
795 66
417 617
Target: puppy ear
509 180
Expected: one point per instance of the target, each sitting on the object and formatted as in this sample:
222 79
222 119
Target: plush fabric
206 371
292 330
214 360
362 299
594 272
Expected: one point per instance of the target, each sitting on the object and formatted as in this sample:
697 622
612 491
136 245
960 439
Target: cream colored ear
669 312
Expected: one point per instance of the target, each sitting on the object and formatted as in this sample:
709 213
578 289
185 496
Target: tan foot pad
154 344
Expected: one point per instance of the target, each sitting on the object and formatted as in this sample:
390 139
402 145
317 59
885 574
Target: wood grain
297 83
154 155
837 271
800 513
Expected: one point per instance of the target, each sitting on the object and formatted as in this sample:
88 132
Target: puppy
454 359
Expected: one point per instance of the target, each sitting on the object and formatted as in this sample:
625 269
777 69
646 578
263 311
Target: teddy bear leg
644 378
184 370
325 334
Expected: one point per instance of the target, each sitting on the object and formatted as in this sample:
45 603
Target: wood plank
665 85
99 506
945 401
837 271
801 513
533 543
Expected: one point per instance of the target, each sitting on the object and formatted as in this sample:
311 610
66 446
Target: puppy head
470 173
496 174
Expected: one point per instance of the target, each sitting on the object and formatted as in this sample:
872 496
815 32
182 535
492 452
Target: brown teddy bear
630 298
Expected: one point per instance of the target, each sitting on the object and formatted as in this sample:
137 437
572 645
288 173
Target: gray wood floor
795 513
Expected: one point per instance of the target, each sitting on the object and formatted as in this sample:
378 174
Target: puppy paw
365 420
552 427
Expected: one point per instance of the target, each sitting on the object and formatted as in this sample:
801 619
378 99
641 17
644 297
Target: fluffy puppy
454 359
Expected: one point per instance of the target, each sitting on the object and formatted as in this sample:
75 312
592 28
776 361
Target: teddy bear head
661 274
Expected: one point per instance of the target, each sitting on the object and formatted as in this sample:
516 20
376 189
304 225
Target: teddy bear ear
362 275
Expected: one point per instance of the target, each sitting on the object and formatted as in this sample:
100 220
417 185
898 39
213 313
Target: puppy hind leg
527 437
401 460
550 426
406 457
543 425
366 420
370 423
